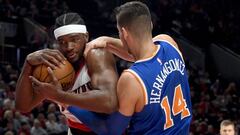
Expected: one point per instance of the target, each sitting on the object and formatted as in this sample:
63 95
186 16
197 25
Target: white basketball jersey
81 84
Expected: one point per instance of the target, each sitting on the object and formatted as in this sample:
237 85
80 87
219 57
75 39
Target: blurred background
207 32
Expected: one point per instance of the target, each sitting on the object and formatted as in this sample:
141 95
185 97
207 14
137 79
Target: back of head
67 19
135 16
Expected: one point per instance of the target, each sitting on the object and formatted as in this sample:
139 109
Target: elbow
23 110
111 106
110 109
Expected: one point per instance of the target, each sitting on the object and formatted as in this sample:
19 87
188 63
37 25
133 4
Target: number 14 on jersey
179 106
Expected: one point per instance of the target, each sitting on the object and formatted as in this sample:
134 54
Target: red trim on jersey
71 123
78 126
89 73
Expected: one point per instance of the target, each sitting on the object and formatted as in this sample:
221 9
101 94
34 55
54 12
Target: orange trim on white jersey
144 90
146 59
171 45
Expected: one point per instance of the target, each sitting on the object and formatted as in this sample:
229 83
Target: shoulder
130 90
101 67
96 52
100 57
99 53
170 41
167 38
128 87
127 75
129 80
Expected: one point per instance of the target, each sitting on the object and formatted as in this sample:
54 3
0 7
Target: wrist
60 97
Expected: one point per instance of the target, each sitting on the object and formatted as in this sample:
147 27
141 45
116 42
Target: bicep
106 80
102 68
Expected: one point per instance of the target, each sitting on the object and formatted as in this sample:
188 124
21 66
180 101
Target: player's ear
151 25
124 32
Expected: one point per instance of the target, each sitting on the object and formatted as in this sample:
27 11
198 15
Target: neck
145 49
77 63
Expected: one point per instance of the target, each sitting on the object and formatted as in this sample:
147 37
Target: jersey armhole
158 42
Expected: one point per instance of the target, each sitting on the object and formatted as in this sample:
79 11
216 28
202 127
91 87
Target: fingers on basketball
64 74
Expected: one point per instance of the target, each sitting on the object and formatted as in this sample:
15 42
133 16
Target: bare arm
129 94
130 101
113 45
103 99
26 97
101 65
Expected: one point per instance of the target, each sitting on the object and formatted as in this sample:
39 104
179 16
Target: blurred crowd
42 11
201 21
45 119
213 100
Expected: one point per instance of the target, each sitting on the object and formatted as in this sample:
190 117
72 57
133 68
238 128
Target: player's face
227 130
72 46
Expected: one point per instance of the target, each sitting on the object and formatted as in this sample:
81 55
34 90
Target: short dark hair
68 18
135 16
227 123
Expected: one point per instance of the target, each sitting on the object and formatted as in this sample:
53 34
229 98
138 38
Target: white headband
68 29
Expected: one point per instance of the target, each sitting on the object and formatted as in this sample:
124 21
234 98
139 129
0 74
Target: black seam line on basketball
46 77
58 79
65 76
40 72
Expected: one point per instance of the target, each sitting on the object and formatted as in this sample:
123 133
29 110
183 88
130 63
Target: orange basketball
65 74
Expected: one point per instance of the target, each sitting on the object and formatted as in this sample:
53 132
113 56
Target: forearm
113 41
24 91
94 100
115 46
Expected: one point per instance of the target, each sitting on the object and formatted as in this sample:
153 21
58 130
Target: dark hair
135 16
68 18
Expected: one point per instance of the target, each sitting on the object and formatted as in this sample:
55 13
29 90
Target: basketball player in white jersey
96 76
